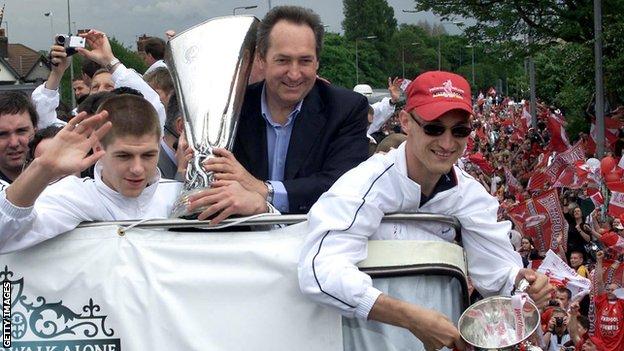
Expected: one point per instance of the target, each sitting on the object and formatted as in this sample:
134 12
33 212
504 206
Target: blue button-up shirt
278 138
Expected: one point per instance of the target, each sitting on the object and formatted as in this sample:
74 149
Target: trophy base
180 207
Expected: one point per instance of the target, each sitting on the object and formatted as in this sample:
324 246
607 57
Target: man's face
102 82
433 156
562 297
130 163
576 259
80 88
290 64
16 130
610 288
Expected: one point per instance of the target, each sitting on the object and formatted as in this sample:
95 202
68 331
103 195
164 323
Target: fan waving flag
541 218
559 139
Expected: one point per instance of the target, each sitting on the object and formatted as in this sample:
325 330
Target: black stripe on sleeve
349 227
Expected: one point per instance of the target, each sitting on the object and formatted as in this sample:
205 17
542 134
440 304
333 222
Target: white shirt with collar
72 200
157 64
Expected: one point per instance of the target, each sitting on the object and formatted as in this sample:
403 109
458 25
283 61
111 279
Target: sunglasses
436 129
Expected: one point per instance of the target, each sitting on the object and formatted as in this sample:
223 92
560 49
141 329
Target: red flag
479 160
616 204
611 133
542 219
558 137
595 196
569 178
537 181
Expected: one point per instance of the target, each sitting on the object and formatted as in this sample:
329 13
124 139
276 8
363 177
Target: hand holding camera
69 42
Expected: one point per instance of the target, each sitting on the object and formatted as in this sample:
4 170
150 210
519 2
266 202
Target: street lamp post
49 14
598 79
357 71
474 83
243 8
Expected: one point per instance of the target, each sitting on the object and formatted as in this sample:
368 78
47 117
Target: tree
363 18
547 21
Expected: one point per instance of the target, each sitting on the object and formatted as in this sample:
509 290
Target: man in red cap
419 176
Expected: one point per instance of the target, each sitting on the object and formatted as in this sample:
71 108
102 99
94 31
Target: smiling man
18 119
126 184
419 176
296 134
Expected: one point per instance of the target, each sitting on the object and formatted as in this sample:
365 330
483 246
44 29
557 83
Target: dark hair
155 47
563 289
130 115
173 112
93 102
45 133
126 90
292 14
89 67
14 102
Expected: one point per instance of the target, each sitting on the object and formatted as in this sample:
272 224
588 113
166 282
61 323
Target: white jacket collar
145 196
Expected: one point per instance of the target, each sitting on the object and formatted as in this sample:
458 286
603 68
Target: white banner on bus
93 290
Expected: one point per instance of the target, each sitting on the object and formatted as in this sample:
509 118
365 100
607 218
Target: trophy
500 323
210 65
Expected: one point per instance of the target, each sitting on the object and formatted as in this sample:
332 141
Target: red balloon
607 165
612 177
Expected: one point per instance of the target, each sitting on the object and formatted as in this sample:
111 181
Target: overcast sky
126 20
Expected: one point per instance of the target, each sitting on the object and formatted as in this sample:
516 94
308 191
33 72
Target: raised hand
67 152
394 87
100 49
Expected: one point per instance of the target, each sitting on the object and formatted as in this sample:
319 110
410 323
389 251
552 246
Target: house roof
22 58
6 64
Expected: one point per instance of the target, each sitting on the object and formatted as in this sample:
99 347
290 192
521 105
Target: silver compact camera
69 42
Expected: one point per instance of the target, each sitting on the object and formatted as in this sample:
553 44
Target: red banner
558 137
542 219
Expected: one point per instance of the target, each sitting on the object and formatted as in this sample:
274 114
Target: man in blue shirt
296 133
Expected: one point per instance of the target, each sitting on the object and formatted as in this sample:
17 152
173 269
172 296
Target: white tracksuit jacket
70 201
349 214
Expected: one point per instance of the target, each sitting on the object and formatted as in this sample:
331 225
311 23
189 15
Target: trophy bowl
490 324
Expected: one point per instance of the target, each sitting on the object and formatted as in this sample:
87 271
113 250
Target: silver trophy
210 65
499 323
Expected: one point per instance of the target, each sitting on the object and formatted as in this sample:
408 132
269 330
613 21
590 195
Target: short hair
45 133
173 112
155 47
14 102
89 67
293 14
130 115
91 104
100 71
160 78
563 289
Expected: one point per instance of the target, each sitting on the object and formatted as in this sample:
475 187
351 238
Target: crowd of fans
503 146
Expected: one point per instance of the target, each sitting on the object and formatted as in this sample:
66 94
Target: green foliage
364 18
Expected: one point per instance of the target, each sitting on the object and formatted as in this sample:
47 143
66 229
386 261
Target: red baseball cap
435 93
